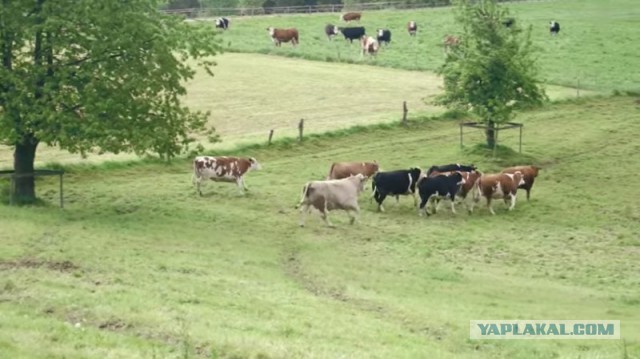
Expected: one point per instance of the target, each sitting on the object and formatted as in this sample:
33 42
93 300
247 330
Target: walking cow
279 36
529 174
351 16
395 183
554 28
222 23
341 170
495 186
384 36
330 31
432 189
412 27
222 169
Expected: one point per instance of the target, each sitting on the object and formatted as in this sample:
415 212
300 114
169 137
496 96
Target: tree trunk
491 134
24 190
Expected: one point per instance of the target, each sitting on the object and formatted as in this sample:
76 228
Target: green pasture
596 49
138 266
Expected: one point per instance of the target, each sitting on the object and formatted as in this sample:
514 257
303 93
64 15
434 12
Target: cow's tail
305 193
331 171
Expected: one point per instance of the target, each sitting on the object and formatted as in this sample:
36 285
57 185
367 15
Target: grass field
138 266
596 49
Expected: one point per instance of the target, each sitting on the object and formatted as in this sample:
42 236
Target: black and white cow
331 31
352 33
222 23
508 22
384 35
433 189
395 183
434 170
554 28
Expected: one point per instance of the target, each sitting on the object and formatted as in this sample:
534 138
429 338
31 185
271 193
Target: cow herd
456 183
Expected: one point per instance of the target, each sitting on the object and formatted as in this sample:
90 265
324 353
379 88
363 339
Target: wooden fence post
270 136
301 128
404 113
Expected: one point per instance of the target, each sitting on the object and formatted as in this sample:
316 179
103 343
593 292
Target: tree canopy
97 75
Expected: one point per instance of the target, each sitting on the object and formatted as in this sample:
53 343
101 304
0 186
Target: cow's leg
354 215
243 184
453 205
325 216
304 211
198 182
398 200
380 199
421 206
240 184
513 201
436 207
415 199
489 205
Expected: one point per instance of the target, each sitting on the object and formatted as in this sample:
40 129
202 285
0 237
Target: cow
352 33
223 169
502 185
340 170
351 16
435 170
384 36
412 27
279 36
508 22
469 177
554 28
332 194
449 42
222 23
369 45
432 189
395 183
331 31
529 174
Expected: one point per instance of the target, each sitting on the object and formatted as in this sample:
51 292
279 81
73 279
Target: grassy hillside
597 47
138 266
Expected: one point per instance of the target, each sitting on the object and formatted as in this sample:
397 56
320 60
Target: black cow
222 23
508 22
433 170
432 189
384 35
395 183
554 28
352 33
331 31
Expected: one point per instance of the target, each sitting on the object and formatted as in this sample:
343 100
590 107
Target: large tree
96 75
492 72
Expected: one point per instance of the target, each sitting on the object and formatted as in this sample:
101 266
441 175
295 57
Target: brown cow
529 173
222 169
502 185
279 36
340 170
351 16
412 27
333 194
449 42
369 45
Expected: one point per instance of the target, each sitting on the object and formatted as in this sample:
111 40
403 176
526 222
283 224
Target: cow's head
336 30
518 178
380 32
218 22
361 181
271 30
254 164
459 178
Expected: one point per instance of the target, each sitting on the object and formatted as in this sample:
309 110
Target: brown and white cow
412 28
340 170
278 36
329 195
449 42
493 186
529 174
351 16
222 169
369 45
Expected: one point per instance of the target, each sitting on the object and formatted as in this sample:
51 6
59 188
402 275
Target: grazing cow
352 33
435 170
554 28
222 23
503 185
395 183
369 45
433 189
412 27
341 170
279 36
351 16
529 173
449 42
333 194
508 22
222 169
384 36
331 31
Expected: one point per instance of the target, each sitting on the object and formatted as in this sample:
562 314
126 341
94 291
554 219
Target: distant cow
222 23
352 33
326 196
384 36
554 28
331 31
412 27
341 170
449 42
351 16
508 22
434 170
394 183
432 189
529 174
222 169
369 45
279 36
503 185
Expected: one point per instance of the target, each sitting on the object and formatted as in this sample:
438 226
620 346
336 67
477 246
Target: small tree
96 75
492 72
